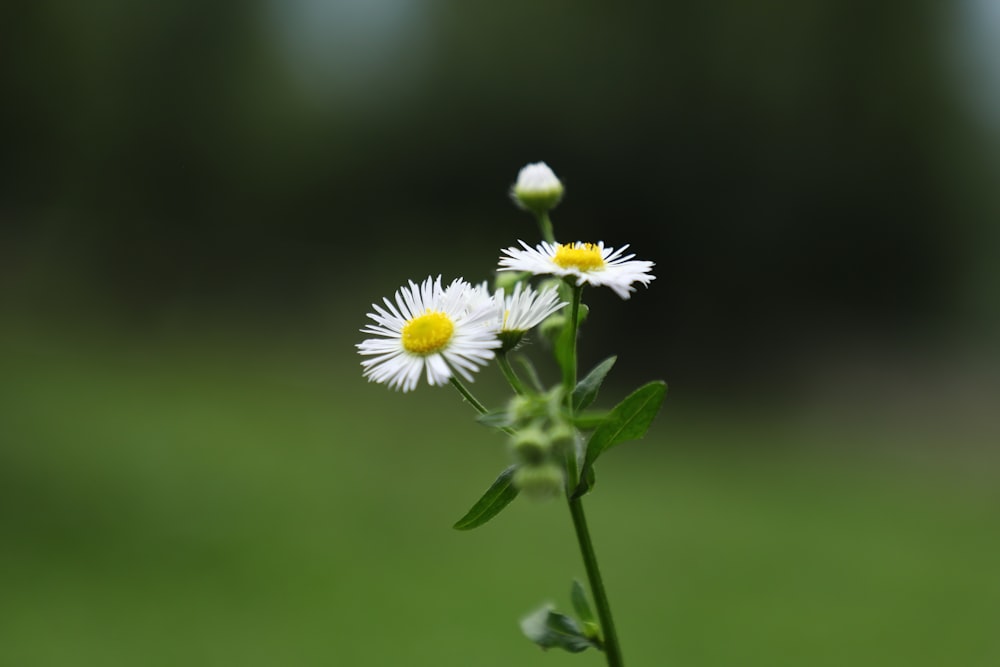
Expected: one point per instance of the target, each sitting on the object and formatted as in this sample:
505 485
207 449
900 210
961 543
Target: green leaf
580 603
586 390
498 496
550 629
629 420
495 418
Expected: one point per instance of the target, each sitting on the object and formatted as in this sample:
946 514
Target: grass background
212 499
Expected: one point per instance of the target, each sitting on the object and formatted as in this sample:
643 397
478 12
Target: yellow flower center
583 256
427 333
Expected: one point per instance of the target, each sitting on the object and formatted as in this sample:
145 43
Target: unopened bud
531 446
539 482
537 188
522 408
562 436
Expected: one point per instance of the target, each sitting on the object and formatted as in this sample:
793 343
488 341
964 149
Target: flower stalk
612 649
447 333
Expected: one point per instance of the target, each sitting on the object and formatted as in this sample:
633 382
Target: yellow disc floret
427 333
582 256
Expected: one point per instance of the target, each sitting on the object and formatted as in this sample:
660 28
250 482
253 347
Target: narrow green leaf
495 418
629 420
498 496
580 603
586 390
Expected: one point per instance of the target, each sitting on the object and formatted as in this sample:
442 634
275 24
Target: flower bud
539 482
523 408
562 436
531 446
537 188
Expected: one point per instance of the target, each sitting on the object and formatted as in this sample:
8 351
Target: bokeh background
199 200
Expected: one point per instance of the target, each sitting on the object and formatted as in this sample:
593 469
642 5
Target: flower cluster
437 331
448 332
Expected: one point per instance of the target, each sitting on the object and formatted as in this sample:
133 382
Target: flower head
428 329
523 309
589 263
537 188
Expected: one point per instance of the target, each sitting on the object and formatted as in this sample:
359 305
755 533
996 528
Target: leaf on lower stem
497 497
580 603
550 629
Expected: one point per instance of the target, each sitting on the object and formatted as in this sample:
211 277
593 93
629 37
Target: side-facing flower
428 329
589 263
537 188
522 310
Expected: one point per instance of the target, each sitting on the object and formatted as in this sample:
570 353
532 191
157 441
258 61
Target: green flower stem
508 372
569 372
545 226
612 650
457 384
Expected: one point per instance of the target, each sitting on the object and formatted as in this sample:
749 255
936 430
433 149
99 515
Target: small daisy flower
537 188
522 310
589 263
430 330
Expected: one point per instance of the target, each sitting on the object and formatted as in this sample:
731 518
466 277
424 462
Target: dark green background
199 201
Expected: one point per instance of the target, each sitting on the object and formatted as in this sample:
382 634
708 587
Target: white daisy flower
428 330
537 188
589 263
525 308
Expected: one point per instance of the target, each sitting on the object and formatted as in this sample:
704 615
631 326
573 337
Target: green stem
612 650
508 372
545 226
457 384
569 372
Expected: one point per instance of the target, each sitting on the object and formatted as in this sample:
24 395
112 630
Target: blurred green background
199 201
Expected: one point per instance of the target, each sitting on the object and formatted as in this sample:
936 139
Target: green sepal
629 420
498 496
580 604
586 390
550 629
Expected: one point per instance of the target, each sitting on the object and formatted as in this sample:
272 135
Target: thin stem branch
508 372
545 227
612 649
457 384
480 408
